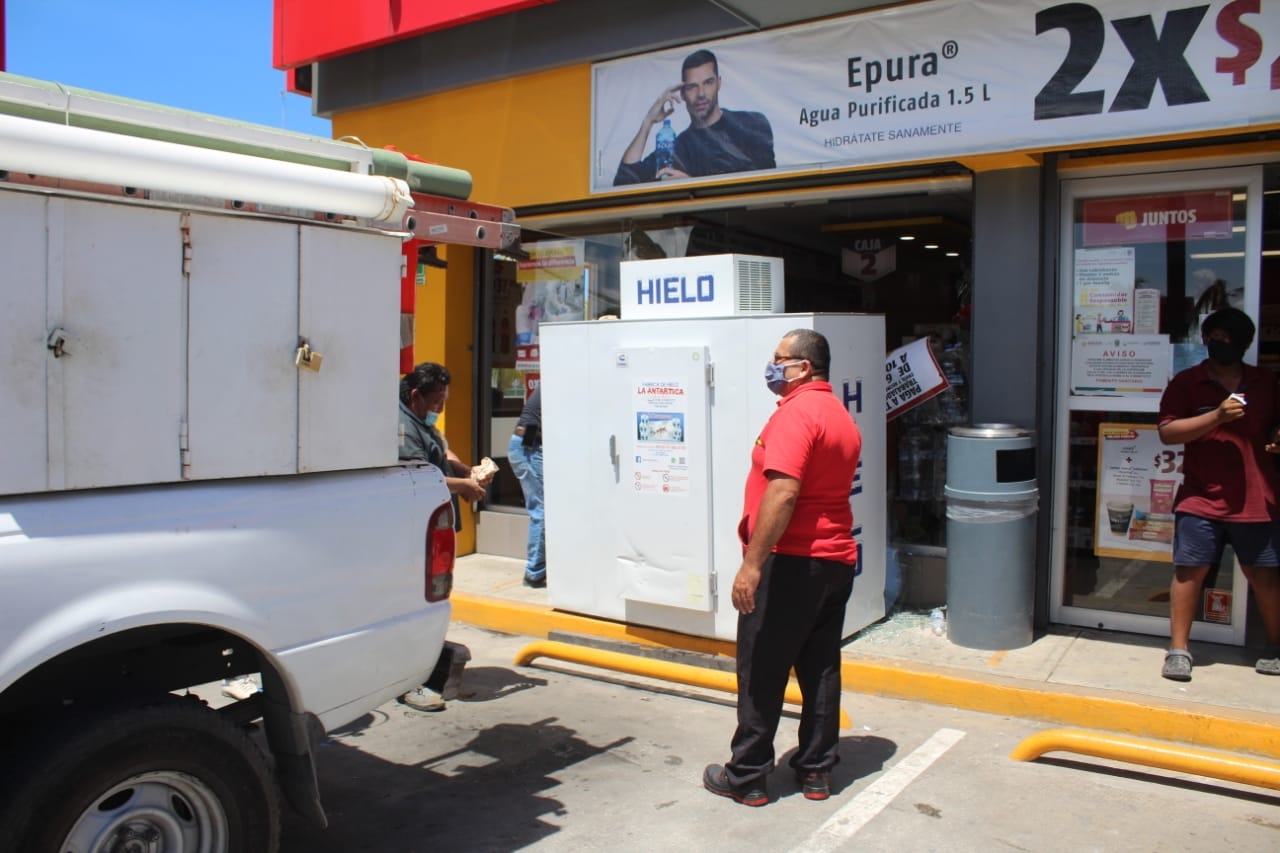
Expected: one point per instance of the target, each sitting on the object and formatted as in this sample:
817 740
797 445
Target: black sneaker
815 785
716 780
536 584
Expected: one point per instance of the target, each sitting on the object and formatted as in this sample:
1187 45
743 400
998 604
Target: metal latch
307 358
57 342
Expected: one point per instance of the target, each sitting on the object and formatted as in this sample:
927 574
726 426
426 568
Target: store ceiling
828 226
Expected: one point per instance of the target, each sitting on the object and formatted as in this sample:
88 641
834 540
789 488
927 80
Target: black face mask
1225 353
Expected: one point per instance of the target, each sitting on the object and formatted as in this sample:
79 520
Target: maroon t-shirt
1226 473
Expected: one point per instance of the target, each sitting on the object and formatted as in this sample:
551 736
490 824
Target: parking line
842 825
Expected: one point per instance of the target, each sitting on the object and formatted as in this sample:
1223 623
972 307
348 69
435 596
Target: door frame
1160 178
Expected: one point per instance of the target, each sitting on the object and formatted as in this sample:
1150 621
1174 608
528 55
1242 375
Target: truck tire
170 775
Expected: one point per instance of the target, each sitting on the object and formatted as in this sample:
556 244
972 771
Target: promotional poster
936 80
912 376
553 287
1138 478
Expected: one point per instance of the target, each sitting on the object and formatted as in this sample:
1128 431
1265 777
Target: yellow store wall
524 141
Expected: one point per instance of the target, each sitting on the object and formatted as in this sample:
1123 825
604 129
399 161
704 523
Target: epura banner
936 80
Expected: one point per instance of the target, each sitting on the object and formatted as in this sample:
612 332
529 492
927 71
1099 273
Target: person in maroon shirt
799 559
1226 413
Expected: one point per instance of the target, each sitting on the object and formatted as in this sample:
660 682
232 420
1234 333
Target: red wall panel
306 31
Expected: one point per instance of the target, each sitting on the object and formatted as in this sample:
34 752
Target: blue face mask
430 418
774 375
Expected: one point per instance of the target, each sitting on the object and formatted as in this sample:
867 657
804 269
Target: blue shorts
1198 541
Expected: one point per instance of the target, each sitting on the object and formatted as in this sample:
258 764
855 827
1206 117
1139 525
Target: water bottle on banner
666 146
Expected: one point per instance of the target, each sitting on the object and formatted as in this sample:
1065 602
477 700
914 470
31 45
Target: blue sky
204 55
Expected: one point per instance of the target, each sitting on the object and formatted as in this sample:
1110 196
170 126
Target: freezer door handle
613 456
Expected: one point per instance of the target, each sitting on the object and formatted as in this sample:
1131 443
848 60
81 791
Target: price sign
911 376
1138 478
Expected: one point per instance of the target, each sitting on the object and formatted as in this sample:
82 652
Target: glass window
1147 268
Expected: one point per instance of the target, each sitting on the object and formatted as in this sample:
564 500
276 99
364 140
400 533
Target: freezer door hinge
185 225
184 449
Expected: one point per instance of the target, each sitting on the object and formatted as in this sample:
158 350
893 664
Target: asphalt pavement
541 754
560 757
1102 680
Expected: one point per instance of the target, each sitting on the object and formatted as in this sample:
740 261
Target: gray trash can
991 535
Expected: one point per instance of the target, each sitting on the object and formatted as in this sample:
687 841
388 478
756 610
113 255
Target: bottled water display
666 143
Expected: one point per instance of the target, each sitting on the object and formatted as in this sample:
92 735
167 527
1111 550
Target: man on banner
717 141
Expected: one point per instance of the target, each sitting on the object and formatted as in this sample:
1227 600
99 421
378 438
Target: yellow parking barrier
1166 756
680 673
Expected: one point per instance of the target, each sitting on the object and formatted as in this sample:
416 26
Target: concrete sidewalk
1102 680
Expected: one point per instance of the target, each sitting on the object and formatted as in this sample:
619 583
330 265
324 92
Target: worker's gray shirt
419 441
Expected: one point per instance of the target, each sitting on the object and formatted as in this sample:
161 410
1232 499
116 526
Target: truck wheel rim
158 812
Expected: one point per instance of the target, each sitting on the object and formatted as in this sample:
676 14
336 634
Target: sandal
1269 663
1177 665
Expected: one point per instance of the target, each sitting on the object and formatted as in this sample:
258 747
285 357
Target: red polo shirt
810 437
1226 473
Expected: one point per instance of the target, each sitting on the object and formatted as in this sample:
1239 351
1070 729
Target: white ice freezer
648 428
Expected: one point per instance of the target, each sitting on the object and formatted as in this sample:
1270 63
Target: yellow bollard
1166 756
680 673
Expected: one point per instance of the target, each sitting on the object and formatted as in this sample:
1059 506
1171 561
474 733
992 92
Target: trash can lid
989 431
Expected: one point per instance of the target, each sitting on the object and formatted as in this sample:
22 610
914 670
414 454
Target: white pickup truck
198 470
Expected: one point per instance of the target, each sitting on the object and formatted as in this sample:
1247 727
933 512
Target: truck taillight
438 571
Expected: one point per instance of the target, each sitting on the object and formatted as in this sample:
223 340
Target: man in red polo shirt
1226 413
796 576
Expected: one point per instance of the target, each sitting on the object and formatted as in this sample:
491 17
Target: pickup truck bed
112 600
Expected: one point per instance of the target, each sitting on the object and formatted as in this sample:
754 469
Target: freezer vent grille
755 286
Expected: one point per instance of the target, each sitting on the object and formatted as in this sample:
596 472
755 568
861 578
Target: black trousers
797 622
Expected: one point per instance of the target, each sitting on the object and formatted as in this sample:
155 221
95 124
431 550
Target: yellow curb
533 620
680 673
1190 722
1193 723
1263 774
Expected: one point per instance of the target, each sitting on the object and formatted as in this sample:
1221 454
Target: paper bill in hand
486 469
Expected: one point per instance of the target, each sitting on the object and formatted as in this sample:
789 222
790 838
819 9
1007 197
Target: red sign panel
1170 217
528 357
1217 606
306 31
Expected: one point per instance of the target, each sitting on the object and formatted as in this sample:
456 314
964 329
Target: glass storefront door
1144 259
